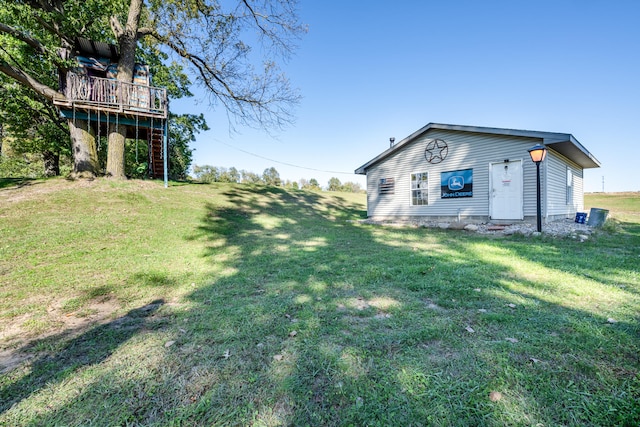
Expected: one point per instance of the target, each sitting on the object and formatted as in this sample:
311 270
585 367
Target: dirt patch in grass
18 335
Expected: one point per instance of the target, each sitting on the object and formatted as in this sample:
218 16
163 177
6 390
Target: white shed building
476 174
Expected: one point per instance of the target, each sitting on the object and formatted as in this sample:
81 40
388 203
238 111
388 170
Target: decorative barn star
436 151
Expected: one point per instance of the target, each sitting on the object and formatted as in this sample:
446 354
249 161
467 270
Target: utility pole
603 183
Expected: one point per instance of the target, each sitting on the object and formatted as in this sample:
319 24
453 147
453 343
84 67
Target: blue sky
372 70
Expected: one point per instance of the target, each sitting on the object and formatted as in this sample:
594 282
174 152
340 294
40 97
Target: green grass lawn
124 303
623 206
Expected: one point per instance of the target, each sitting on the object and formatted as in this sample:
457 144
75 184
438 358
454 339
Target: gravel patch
559 228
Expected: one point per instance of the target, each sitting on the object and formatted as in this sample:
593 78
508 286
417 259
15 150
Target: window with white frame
569 186
419 192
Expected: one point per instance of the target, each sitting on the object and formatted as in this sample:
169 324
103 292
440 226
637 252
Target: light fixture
538 153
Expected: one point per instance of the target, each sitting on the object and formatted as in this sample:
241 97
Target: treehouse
93 94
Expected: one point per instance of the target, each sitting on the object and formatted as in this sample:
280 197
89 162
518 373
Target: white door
507 201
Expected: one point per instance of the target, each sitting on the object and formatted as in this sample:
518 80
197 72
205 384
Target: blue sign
456 184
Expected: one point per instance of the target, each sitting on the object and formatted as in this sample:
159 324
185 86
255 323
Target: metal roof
88 47
562 143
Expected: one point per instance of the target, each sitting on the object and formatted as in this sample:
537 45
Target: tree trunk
85 152
115 152
51 163
128 42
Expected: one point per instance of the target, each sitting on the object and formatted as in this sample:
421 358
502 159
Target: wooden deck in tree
108 96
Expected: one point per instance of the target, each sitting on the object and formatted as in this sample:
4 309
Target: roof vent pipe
392 140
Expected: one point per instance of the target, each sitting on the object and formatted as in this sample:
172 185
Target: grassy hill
124 303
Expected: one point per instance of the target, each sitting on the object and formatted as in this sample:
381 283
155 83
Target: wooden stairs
156 159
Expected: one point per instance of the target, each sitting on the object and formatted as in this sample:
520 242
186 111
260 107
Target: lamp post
538 153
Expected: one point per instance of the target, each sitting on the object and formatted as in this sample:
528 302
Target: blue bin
581 217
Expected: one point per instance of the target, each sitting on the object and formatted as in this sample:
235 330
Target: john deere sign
456 184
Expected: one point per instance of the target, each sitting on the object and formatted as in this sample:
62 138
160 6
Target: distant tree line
270 176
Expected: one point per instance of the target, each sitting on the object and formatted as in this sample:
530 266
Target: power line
283 163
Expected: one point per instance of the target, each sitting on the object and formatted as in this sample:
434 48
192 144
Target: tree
203 173
251 177
214 38
32 33
206 173
351 187
229 175
182 131
34 126
334 184
210 174
313 184
290 184
270 176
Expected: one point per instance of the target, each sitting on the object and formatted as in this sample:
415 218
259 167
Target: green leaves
230 49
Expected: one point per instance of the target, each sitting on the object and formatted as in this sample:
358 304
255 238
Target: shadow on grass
336 324
61 364
632 229
610 258
311 319
15 182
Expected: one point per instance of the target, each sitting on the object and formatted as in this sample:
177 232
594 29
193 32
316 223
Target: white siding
530 186
556 187
578 191
466 150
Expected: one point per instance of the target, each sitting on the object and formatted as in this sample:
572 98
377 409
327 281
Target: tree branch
54 29
28 81
255 17
32 42
207 73
47 110
146 31
47 5
23 37
276 25
116 27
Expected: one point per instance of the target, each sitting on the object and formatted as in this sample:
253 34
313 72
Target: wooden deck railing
113 95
